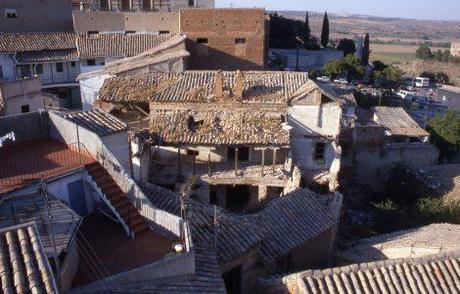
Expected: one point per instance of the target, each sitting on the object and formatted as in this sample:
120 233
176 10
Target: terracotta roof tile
397 121
199 86
22 42
219 127
117 44
24 266
47 56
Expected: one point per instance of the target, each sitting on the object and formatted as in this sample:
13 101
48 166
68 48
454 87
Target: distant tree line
424 52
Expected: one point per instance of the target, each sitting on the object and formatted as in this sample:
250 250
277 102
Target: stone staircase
117 200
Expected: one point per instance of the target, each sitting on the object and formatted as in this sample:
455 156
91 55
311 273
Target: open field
394 53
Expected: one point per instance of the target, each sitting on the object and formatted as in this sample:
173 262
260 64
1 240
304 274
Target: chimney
219 85
239 84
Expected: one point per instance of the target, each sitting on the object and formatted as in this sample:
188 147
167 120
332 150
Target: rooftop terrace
27 162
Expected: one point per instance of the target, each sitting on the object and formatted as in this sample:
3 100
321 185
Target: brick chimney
219 85
239 84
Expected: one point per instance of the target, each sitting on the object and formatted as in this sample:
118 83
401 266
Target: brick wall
227 39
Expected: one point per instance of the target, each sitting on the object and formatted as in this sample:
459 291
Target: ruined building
248 136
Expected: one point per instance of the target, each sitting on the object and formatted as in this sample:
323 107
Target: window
24 71
1 73
320 149
130 32
146 5
125 5
163 32
59 67
91 62
104 5
243 153
73 63
202 40
93 32
25 108
39 69
191 2
11 13
240 41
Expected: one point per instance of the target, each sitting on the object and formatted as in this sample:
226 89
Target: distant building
359 41
306 60
455 49
141 5
36 16
227 39
25 95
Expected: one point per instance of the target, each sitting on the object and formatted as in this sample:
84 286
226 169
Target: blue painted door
77 197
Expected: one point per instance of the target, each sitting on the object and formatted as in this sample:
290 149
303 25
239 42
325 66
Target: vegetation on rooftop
445 134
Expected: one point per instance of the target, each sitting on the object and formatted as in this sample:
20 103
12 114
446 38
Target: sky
418 9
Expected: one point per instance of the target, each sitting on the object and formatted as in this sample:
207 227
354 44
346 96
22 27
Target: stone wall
36 16
227 39
108 21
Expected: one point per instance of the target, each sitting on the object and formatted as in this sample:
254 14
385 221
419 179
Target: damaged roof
336 94
200 86
397 122
219 127
95 120
438 273
24 266
117 44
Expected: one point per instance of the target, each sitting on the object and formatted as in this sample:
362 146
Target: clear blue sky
422 9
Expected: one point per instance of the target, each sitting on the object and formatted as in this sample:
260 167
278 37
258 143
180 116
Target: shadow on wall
203 57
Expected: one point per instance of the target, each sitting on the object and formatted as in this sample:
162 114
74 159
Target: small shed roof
398 122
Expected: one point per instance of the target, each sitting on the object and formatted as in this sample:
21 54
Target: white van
422 82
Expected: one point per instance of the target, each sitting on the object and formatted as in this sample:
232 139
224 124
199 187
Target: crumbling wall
89 89
373 164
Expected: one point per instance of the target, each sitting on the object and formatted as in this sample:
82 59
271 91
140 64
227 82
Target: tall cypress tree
325 31
307 27
366 51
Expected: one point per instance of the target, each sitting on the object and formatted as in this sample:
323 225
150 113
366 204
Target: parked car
341 81
323 79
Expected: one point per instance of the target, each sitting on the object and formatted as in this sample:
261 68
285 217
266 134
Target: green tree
348 46
424 52
386 76
366 51
307 28
334 68
379 65
445 133
325 31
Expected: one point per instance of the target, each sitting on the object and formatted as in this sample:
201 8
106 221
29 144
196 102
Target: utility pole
50 223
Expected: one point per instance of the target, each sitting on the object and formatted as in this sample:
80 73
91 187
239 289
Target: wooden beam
236 161
263 163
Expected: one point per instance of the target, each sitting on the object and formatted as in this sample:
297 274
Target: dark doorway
125 5
232 280
147 5
237 197
77 197
243 153
212 195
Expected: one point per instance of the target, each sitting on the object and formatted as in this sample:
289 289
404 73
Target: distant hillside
383 30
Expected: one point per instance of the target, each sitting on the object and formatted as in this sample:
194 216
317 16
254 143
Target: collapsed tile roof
33 208
96 120
199 86
117 44
24 266
219 127
429 274
427 240
336 93
397 121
